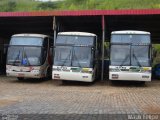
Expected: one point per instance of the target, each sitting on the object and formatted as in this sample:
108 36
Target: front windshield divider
120 43
60 44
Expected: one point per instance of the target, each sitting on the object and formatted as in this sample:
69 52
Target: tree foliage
32 5
47 6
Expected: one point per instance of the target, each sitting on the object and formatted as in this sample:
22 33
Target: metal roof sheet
82 13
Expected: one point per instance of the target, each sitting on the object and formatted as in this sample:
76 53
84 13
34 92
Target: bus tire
20 78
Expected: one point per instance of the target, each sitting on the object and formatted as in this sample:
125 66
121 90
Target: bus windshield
72 56
130 55
26 56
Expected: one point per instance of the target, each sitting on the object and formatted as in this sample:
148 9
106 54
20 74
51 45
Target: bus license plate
56 77
20 75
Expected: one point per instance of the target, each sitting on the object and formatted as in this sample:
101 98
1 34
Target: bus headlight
87 70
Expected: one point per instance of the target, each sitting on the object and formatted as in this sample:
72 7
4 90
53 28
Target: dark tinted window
76 40
130 38
37 41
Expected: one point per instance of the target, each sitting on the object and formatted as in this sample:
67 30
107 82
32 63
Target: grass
32 5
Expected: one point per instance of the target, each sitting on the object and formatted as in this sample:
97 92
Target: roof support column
103 39
54 28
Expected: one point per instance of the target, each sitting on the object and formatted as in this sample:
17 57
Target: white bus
75 57
130 56
29 56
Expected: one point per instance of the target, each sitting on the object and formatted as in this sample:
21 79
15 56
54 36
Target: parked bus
130 56
75 57
29 56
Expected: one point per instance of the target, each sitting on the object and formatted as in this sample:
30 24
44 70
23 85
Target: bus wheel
20 78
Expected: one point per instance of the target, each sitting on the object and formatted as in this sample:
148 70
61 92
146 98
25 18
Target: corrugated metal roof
82 13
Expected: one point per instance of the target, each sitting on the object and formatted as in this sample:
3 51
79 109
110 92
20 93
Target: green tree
11 6
47 6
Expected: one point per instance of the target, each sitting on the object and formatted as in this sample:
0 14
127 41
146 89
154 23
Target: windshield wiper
136 59
77 59
124 60
25 56
17 57
66 58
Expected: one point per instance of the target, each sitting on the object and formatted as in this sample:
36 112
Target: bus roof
30 35
130 32
77 33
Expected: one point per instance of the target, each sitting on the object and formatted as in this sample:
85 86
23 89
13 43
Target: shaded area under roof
84 21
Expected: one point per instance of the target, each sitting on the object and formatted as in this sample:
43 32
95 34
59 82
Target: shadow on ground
128 83
31 80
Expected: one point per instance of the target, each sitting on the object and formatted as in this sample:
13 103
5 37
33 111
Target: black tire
20 78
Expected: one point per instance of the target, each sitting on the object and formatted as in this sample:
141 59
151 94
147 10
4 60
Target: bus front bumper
130 76
24 74
72 76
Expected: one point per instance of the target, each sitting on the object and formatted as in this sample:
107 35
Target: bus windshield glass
120 55
81 57
34 41
63 55
14 55
24 56
72 56
140 56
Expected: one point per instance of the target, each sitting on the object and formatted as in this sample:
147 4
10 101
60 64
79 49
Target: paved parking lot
53 97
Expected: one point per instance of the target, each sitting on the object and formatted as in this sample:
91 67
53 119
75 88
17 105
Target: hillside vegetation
32 5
